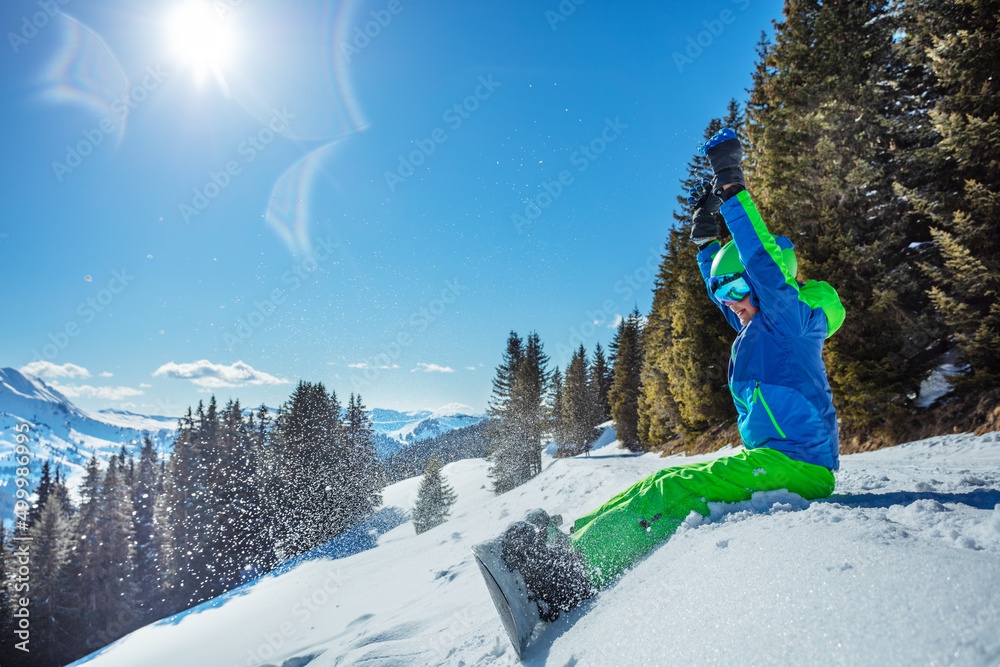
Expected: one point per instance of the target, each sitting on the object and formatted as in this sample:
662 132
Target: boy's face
743 309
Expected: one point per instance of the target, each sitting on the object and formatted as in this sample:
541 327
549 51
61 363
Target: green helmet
727 261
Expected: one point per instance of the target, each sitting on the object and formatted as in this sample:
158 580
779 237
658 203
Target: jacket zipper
757 392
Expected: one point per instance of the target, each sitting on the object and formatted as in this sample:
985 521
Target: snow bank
902 565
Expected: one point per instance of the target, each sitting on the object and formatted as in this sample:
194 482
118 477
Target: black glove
725 154
706 205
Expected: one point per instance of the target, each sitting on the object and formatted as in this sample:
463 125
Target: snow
900 566
416 425
134 421
937 384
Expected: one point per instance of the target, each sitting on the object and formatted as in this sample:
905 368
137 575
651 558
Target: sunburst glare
201 38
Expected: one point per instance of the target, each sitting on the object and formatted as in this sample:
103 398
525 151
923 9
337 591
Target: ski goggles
729 287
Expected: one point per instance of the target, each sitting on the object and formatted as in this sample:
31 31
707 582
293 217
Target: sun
200 38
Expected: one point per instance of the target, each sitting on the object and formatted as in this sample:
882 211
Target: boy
778 381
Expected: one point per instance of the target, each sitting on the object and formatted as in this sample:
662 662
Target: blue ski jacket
776 371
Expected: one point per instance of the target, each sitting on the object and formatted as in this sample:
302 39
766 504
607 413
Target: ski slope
901 566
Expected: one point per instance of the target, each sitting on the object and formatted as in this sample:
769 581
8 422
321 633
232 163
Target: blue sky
370 194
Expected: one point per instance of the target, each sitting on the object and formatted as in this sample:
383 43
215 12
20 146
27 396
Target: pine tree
265 513
532 379
555 425
172 513
230 497
951 51
500 432
51 537
97 581
311 449
365 480
144 495
434 499
626 387
110 564
580 405
516 407
7 581
684 377
61 491
659 415
83 545
820 164
208 474
42 492
601 378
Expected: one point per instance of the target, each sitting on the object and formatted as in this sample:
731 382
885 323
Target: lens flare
288 208
85 72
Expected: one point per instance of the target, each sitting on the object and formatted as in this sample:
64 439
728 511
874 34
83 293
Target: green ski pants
621 531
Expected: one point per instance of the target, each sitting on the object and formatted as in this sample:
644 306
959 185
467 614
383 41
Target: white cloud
207 375
103 393
106 374
360 364
431 368
618 320
47 370
363 365
470 368
145 385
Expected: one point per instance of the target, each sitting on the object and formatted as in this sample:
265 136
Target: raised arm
705 232
773 284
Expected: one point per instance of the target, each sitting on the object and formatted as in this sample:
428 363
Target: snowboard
518 613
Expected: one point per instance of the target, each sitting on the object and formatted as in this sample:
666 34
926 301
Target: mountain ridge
67 435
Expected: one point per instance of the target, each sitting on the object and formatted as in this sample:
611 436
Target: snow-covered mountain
66 435
63 433
898 567
413 426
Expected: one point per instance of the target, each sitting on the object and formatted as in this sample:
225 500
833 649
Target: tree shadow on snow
984 499
626 454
